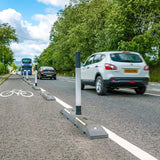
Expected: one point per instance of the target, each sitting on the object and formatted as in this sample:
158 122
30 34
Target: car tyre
55 78
101 89
140 90
82 86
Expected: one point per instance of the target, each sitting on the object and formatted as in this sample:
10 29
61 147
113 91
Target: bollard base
36 88
47 96
86 126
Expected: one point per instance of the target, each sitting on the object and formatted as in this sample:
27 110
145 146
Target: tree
92 26
7 35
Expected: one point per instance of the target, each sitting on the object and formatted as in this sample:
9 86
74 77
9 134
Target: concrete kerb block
47 96
35 87
69 114
25 80
86 126
29 82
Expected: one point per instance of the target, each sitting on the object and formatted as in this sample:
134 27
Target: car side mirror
82 64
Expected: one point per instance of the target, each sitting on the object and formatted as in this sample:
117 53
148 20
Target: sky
32 20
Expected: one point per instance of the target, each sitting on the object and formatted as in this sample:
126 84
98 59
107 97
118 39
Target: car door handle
96 66
87 67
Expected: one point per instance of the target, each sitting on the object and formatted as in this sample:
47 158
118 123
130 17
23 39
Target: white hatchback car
110 70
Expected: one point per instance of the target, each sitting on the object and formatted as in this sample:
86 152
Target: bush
2 68
155 73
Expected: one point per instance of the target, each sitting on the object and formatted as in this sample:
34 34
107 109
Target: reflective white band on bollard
78 84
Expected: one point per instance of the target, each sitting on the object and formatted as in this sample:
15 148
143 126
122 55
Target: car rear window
47 68
126 57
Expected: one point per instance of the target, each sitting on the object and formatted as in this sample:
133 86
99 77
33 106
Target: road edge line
134 150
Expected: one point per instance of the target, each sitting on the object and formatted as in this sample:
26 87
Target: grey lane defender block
90 128
35 87
29 82
69 114
47 96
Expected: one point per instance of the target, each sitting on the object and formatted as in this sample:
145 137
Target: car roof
46 67
110 52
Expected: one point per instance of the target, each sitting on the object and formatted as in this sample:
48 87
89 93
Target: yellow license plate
49 75
130 71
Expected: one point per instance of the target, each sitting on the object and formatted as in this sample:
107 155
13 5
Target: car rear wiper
126 61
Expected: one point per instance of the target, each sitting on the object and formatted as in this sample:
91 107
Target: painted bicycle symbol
17 92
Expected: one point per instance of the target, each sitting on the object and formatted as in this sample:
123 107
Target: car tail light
110 67
42 71
55 71
112 79
132 82
146 68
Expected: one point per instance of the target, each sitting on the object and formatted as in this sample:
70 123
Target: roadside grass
3 79
67 74
155 74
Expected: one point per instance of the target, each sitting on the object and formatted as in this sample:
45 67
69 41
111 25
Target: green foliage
7 35
155 73
14 66
2 68
92 26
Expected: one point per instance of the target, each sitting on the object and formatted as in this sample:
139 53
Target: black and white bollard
27 75
78 84
23 73
35 75
90 128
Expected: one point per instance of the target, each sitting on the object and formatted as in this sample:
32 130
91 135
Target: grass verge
3 79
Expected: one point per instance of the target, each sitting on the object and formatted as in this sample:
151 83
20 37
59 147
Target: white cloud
33 39
42 31
61 3
28 49
15 20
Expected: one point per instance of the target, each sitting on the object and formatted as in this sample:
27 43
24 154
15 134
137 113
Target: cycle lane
33 128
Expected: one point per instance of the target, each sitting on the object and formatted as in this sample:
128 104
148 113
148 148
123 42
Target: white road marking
63 103
67 111
42 90
137 152
17 92
80 121
157 95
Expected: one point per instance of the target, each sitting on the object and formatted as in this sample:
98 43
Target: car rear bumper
126 82
48 75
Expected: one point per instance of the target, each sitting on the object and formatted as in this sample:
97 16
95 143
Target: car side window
89 61
98 58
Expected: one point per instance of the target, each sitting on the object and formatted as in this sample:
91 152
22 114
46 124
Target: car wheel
101 89
82 86
140 90
40 77
55 78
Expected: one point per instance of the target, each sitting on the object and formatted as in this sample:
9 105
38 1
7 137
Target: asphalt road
135 118
41 132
